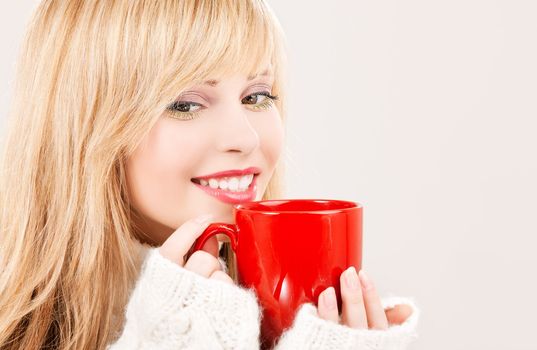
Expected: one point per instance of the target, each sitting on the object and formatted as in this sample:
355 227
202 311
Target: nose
236 133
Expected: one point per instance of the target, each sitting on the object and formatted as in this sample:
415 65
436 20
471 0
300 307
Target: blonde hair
93 77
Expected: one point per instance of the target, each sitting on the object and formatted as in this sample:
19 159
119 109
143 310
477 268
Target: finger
398 314
353 310
211 246
180 242
327 305
376 318
221 276
203 263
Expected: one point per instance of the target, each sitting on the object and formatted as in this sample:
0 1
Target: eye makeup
188 110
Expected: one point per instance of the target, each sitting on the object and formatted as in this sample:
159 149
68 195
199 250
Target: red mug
289 251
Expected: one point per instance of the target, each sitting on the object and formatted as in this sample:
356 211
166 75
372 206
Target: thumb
182 239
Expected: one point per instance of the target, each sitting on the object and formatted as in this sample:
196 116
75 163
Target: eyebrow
213 82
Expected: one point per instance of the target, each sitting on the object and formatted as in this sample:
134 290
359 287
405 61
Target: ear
398 314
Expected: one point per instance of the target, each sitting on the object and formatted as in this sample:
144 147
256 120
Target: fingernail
329 298
351 278
364 278
202 219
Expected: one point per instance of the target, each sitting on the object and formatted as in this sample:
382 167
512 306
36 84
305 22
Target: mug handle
229 230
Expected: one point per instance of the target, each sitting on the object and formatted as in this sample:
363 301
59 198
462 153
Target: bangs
228 37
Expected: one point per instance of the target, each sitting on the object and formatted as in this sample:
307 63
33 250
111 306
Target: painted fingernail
351 278
329 298
203 219
364 278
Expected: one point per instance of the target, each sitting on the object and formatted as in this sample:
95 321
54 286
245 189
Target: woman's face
217 126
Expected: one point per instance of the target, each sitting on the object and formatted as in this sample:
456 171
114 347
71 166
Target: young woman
119 107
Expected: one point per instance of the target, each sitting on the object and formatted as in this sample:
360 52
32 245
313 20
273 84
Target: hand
203 262
361 306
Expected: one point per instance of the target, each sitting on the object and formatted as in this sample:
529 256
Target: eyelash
173 107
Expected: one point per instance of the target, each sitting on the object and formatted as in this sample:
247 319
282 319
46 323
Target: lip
230 173
229 196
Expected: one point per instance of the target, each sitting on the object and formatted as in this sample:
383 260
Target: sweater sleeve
311 332
174 308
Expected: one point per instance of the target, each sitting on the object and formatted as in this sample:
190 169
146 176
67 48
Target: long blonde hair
92 78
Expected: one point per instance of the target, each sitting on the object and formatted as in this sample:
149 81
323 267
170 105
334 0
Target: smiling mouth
227 183
229 189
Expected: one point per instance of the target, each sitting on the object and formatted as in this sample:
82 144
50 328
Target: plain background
425 113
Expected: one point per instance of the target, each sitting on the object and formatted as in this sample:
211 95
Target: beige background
425 112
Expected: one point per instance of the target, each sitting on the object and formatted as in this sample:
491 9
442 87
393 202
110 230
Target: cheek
271 136
159 172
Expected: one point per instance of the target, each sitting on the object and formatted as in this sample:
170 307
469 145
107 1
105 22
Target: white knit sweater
174 308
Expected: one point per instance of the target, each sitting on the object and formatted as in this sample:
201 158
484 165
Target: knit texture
174 308
309 331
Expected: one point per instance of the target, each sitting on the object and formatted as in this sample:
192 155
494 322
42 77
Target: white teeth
234 184
222 184
213 183
245 181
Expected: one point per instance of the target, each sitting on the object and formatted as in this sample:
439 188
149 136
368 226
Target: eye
184 110
259 100
184 106
187 110
258 97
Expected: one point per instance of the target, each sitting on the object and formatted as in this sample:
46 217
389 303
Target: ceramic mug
289 251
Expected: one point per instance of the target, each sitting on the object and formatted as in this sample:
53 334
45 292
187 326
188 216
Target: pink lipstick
230 186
